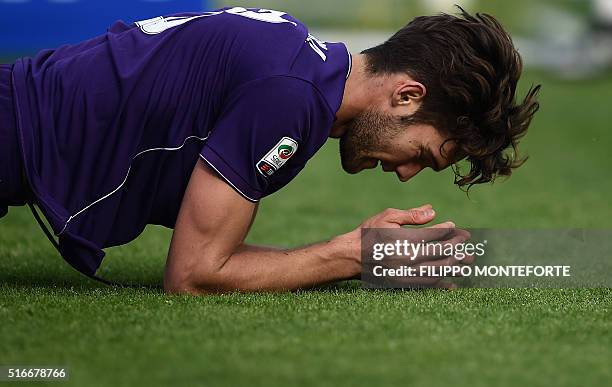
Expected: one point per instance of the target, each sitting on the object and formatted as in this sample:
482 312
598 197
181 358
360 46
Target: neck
358 94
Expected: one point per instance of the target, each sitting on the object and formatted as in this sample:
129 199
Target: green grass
339 335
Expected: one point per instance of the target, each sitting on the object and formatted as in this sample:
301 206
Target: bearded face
367 134
400 145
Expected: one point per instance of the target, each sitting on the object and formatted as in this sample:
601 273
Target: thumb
419 215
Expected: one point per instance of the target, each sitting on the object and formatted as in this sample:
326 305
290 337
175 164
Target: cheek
403 152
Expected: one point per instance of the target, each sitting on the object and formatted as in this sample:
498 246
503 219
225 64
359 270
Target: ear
408 92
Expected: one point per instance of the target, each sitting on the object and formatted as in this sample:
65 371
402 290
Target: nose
406 172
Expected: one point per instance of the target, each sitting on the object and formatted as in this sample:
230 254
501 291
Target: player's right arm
208 254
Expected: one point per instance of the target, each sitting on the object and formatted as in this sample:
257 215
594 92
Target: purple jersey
111 128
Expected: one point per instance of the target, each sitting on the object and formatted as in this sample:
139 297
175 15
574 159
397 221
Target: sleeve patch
277 156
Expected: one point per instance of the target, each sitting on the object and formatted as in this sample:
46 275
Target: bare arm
207 253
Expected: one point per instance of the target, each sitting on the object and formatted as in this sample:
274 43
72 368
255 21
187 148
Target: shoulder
326 65
283 93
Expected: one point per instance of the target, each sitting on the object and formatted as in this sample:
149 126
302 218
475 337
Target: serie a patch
277 156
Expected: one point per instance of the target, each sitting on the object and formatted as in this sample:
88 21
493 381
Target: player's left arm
208 254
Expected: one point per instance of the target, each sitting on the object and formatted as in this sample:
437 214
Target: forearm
254 268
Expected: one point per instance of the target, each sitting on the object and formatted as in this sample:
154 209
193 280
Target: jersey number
160 24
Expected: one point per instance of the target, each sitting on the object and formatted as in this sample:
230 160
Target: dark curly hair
471 69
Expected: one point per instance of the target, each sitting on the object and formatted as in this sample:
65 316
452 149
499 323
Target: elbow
202 284
179 287
190 276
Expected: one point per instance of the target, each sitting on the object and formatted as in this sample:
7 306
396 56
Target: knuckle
453 261
389 211
411 216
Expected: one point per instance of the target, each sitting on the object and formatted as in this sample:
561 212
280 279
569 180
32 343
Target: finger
415 216
448 261
462 236
468 260
465 234
447 224
444 246
421 207
438 232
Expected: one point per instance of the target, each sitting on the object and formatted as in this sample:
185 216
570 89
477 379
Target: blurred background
571 38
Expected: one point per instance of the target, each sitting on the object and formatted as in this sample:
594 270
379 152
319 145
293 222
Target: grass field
339 335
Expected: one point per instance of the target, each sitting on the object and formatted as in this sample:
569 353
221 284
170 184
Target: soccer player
189 120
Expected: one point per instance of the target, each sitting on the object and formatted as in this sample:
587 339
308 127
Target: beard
365 134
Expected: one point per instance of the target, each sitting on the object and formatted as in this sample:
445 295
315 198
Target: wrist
346 248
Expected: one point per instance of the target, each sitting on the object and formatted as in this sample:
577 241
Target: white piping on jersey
126 177
228 180
350 60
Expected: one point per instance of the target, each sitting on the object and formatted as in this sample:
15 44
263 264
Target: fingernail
450 224
429 212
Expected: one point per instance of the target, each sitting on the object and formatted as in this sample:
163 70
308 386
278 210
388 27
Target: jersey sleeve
267 132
